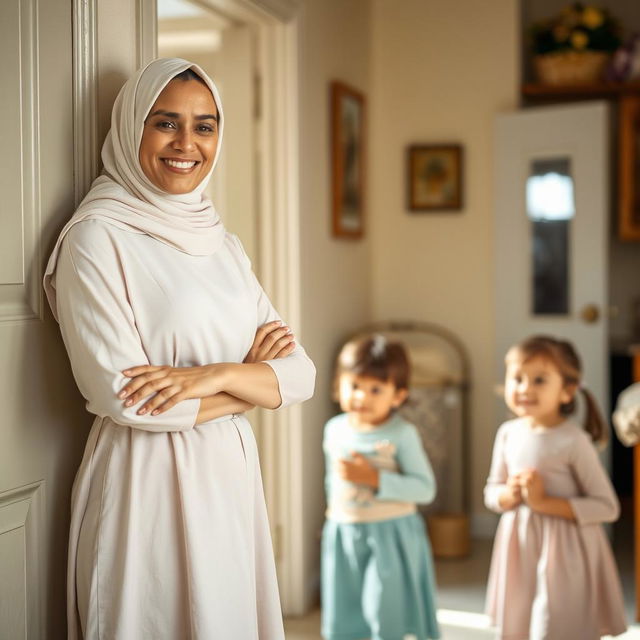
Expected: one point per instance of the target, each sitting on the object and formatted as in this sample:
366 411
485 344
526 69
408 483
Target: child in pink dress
553 576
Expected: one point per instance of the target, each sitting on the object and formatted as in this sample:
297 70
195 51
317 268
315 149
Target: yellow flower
579 40
592 17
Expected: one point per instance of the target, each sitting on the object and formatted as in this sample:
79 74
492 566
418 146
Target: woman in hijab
158 308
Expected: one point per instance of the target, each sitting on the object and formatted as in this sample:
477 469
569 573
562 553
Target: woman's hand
170 385
273 340
358 470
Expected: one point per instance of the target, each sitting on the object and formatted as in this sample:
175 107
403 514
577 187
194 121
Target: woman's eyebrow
173 114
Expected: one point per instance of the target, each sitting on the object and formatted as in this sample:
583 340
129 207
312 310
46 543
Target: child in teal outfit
377 570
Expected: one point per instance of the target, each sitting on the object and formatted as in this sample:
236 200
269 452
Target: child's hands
358 470
511 497
532 488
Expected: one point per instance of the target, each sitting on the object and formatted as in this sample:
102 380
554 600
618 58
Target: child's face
535 389
368 400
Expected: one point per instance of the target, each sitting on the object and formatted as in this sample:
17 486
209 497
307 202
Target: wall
440 72
334 44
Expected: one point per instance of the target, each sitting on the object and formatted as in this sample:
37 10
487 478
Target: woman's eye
375 391
165 124
539 380
207 129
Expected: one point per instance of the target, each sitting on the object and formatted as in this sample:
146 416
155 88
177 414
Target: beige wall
440 71
334 44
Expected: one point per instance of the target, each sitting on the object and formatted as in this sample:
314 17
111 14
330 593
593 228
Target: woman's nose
184 140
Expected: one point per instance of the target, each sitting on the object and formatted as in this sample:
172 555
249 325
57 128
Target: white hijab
125 197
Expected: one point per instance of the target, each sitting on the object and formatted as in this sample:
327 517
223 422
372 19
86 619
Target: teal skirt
378 580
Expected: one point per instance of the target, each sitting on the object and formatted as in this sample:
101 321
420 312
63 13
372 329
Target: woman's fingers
270 340
149 388
282 347
141 376
163 400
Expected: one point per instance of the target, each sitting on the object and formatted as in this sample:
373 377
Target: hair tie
378 346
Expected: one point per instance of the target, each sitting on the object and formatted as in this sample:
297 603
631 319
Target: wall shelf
611 90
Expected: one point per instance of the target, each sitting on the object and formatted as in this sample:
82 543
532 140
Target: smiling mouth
181 166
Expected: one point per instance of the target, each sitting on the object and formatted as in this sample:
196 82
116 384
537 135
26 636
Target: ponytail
594 423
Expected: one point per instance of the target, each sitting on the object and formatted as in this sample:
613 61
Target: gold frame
629 168
348 144
446 188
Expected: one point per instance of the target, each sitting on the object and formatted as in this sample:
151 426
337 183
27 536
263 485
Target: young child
377 571
552 574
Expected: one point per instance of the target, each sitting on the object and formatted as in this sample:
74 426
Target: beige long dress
169 535
552 578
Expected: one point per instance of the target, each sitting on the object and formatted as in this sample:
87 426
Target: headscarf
123 195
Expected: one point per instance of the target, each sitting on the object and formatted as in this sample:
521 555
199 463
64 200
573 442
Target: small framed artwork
434 177
347 158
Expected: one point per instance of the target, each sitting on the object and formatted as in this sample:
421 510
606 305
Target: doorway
250 50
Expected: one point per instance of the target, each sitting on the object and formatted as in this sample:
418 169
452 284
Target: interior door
43 424
551 213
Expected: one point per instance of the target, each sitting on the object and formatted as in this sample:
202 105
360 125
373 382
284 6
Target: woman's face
180 137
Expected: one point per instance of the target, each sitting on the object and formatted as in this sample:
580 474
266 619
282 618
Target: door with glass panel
551 169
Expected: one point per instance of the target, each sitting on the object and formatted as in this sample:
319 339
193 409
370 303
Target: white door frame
279 238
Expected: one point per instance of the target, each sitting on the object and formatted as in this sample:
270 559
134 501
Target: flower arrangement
578 27
574 47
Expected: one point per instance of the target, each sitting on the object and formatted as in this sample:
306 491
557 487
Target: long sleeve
415 481
296 372
599 502
498 474
99 330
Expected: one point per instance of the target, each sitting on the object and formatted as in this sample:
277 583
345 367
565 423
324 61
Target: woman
158 308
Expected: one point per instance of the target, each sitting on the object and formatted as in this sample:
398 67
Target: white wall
440 72
334 45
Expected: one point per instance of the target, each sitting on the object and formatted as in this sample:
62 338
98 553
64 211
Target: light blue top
396 450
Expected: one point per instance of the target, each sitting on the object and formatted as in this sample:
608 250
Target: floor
461 586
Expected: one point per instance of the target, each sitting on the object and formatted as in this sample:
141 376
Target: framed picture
347 155
434 177
629 168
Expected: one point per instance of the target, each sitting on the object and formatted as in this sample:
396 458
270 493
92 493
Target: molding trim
147 28
279 250
23 508
282 10
85 97
22 300
254 11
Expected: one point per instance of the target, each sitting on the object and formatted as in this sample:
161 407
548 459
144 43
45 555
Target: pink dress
552 578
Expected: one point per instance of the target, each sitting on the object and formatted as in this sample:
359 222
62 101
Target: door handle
590 313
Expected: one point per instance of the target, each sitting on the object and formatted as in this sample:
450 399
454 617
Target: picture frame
629 168
434 177
348 131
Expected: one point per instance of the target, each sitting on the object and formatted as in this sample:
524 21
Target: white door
551 225
43 424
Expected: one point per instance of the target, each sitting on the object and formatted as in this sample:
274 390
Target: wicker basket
449 534
570 67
